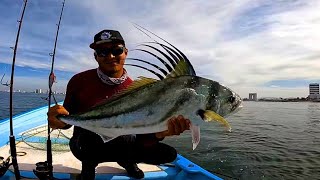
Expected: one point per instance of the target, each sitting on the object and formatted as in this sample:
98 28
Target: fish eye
231 99
200 113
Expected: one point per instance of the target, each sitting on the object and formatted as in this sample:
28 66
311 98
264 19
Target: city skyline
37 91
251 95
268 47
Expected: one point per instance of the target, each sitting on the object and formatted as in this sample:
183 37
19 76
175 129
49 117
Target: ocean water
23 102
269 140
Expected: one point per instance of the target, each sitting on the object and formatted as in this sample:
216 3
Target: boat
31 134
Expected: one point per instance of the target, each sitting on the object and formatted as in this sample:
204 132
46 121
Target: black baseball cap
105 36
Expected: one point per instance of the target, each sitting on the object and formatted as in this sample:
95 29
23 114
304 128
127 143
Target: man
94 86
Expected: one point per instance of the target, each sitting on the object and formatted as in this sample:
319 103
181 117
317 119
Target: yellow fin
210 115
182 68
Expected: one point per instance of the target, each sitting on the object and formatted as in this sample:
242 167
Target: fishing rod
44 170
13 149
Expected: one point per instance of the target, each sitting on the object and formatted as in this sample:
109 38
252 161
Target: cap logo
105 35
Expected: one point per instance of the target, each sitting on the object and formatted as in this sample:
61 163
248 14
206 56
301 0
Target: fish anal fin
195 134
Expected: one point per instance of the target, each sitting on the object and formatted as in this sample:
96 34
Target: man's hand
176 126
54 111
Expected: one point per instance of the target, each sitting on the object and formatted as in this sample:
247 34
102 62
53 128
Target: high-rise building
38 91
314 91
253 97
313 88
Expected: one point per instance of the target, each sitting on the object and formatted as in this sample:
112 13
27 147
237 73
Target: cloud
244 44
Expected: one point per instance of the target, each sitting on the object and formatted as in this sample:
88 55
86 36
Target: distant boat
31 131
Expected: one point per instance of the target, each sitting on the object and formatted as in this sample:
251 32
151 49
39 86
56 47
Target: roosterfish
147 104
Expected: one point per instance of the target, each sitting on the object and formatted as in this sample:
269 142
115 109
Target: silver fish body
148 108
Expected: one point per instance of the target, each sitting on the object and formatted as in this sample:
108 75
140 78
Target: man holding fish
91 88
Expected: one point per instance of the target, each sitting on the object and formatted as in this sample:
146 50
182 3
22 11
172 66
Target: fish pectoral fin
195 133
211 115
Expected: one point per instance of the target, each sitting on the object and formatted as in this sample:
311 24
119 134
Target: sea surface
269 140
23 102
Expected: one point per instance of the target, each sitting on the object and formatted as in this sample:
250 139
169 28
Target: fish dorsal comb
181 69
174 61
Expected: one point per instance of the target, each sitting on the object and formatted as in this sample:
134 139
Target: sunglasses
116 51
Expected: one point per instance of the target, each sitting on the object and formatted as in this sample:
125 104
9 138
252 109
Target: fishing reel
4 165
43 171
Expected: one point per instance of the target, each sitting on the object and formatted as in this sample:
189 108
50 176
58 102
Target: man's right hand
54 111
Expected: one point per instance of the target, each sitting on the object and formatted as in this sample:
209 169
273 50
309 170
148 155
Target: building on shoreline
39 91
253 97
314 92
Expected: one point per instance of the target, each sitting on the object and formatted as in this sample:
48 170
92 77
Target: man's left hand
176 126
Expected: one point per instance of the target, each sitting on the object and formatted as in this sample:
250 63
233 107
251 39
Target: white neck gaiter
111 81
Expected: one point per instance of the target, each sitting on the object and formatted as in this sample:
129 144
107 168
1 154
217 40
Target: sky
270 47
